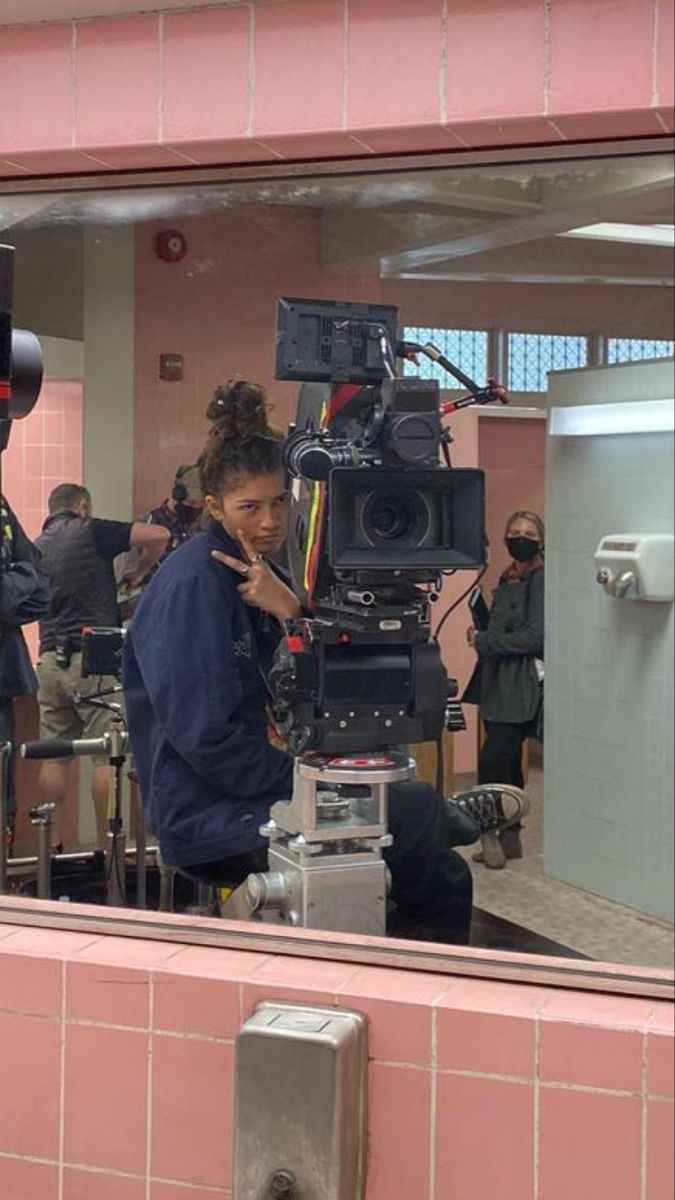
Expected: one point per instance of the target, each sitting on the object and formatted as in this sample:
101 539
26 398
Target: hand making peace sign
261 588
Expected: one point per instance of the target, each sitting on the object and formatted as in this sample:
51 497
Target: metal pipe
141 855
44 871
18 864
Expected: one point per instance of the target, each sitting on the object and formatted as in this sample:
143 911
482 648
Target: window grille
627 350
466 348
533 355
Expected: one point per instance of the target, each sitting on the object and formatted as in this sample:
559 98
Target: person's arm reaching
150 542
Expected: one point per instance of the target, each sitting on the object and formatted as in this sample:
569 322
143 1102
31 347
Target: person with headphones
180 512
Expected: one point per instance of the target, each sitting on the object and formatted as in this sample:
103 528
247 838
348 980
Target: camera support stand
327 869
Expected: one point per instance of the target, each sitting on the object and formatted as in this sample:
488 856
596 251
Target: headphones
179 492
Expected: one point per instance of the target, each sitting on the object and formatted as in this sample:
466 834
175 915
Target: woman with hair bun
197 653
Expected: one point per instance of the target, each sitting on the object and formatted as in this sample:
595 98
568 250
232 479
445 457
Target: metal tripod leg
43 818
5 750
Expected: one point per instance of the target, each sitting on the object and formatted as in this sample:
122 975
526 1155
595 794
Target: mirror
555 278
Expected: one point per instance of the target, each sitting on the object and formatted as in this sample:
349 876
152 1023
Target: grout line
656 33
434 1104
160 78
537 1104
445 49
251 80
345 64
149 1082
62 1084
645 1128
548 29
73 85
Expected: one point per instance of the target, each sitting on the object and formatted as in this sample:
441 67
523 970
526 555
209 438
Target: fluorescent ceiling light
642 235
635 416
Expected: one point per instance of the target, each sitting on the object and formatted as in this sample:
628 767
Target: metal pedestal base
327 869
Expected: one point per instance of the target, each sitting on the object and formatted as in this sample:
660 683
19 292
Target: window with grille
533 355
625 350
466 348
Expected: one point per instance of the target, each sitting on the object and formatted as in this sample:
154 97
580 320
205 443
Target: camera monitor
384 519
324 341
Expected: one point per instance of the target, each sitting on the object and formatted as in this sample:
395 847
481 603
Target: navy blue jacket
24 597
195 700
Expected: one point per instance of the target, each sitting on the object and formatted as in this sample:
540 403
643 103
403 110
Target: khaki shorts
61 716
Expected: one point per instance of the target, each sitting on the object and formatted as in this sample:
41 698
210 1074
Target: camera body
376 521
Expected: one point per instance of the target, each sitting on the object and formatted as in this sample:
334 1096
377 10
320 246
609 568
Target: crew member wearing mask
181 511
510 653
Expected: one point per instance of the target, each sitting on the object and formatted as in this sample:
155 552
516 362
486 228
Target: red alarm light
170 245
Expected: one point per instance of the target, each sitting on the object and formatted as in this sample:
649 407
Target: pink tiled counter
118 1062
258 82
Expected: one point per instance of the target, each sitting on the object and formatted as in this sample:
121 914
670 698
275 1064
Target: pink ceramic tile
661 1064
21 1180
589 1142
583 80
488 1028
226 151
205 74
660 1151
505 133
299 78
30 985
35 70
326 144
400 1124
394 54
107 995
129 952
30 1053
170 1191
399 1007
51 943
596 1008
107 113
209 1007
593 1057
58 162
87 1185
484 1138
396 139
665 55
134 158
192 1110
106 1098
512 83
608 124
210 963
318 974
666 118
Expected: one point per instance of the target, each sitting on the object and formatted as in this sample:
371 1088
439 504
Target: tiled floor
522 893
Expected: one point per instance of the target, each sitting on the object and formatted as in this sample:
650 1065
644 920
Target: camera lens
388 517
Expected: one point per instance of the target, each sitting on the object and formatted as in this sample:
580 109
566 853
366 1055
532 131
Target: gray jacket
509 687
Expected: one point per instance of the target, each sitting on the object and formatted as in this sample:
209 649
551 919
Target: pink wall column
260 82
121 1056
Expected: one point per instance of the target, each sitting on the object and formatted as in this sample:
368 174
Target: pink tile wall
122 1053
323 78
513 456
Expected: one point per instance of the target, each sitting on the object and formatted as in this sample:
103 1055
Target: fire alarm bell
171 367
170 245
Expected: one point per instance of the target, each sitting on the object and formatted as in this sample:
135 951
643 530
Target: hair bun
238 411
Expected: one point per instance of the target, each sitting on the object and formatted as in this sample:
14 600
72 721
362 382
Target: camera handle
493 393
114 746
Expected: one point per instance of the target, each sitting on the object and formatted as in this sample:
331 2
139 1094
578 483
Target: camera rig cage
378 516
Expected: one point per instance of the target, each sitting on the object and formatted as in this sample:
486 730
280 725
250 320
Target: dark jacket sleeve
528 639
25 587
184 649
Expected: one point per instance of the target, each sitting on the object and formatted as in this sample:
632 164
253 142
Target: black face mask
187 513
523 549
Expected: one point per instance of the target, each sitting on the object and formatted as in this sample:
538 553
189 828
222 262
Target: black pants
432 889
501 756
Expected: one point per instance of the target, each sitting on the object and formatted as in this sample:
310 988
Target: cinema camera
378 517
